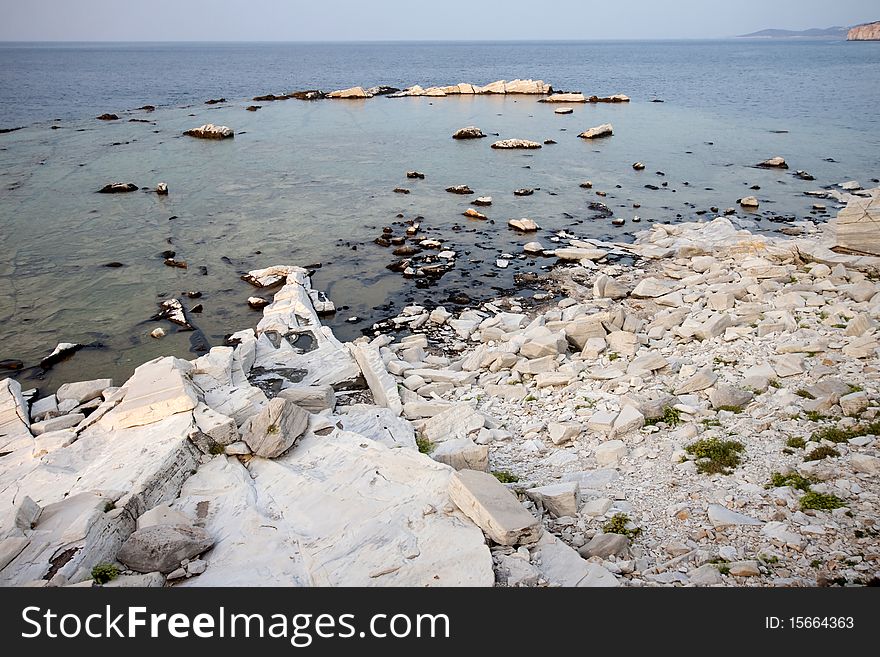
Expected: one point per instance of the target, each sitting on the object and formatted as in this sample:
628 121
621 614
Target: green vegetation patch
792 479
822 452
104 572
838 435
505 477
671 417
715 455
618 525
425 446
821 501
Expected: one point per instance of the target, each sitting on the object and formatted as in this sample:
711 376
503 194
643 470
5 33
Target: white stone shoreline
189 474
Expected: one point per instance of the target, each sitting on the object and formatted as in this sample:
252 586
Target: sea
312 182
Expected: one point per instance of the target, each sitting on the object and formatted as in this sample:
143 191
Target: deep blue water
823 81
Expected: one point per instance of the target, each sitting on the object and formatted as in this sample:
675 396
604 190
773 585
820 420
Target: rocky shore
699 408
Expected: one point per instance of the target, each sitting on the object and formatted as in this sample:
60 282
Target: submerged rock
459 189
61 352
118 188
108 117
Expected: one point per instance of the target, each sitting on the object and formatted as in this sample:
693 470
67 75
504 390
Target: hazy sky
348 20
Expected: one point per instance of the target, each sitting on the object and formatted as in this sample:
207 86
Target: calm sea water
312 182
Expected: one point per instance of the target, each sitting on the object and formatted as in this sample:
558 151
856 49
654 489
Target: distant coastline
861 32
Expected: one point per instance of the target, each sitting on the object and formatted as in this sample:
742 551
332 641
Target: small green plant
853 388
795 442
816 563
768 558
838 435
109 506
425 446
839 326
272 429
815 416
217 448
773 383
618 525
612 356
806 394
821 452
105 572
716 456
722 565
671 416
711 422
531 398
792 479
505 477
821 501
731 409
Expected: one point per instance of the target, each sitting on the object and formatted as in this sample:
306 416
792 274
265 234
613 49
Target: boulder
381 383
470 132
493 508
562 432
857 224
83 391
456 421
276 428
211 131
162 547
157 389
604 130
749 202
610 452
773 163
605 545
560 565
523 225
462 454
725 395
651 288
702 379
543 342
312 398
559 499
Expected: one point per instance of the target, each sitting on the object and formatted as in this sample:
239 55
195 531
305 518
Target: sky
414 20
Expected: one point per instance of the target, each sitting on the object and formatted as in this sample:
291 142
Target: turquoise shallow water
305 182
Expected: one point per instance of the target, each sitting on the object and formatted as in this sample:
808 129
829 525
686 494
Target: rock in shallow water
211 131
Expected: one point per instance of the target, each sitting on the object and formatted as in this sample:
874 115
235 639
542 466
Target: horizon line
325 41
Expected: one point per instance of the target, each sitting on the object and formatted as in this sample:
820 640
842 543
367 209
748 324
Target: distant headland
863 32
